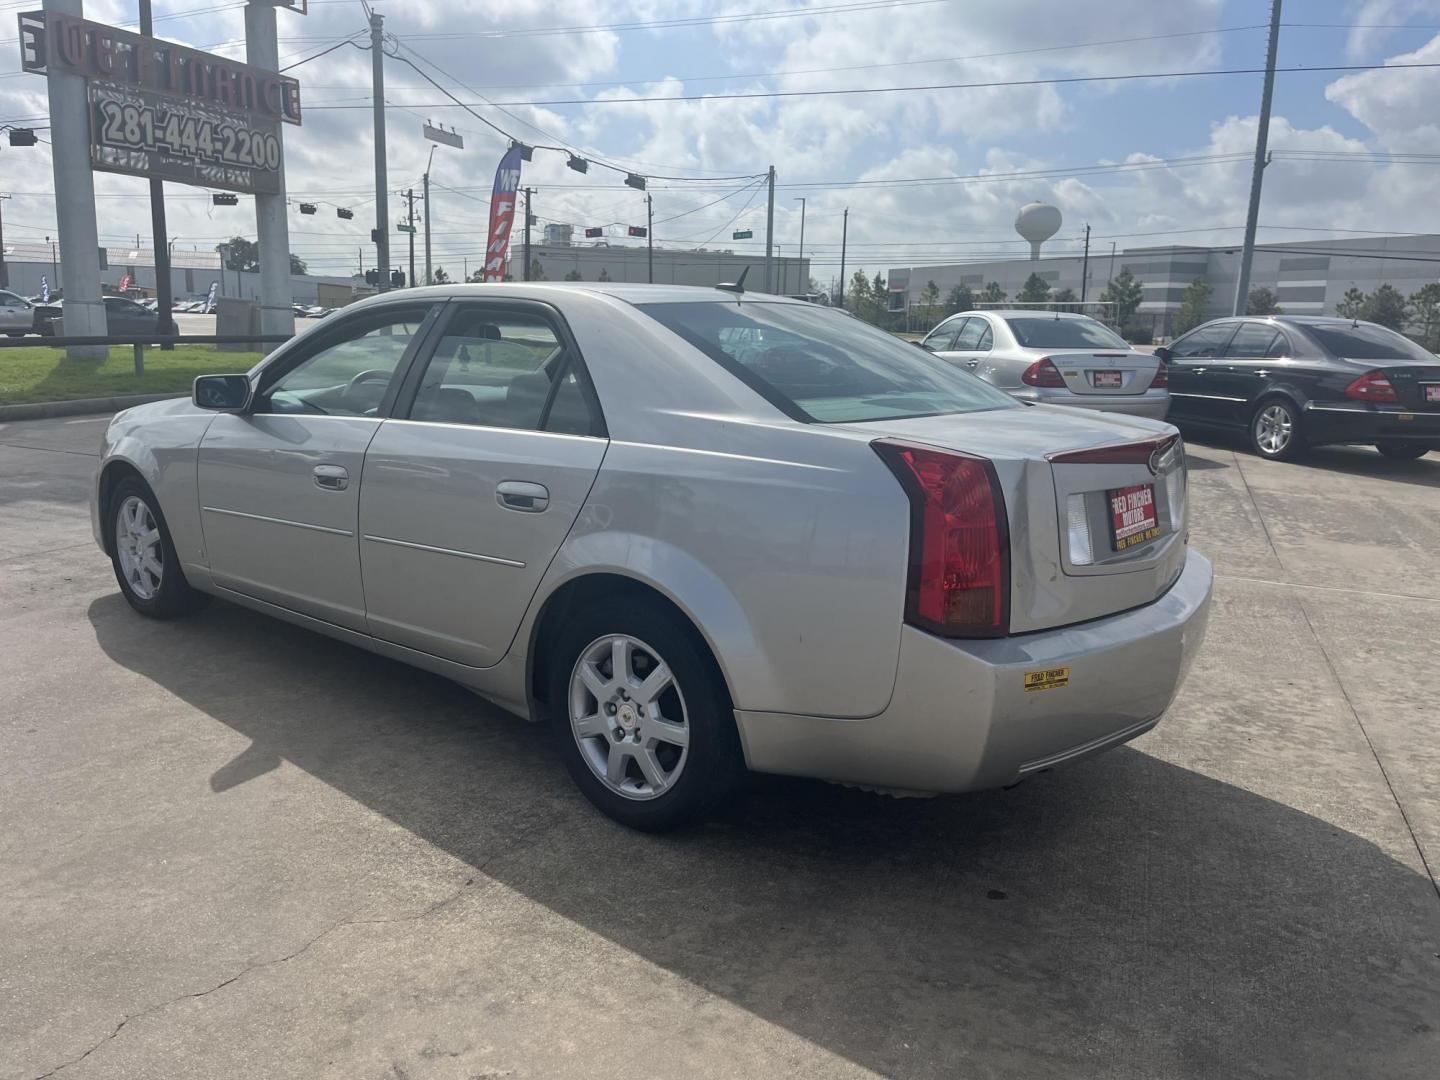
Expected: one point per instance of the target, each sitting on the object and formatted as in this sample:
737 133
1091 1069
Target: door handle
972 364
331 477
519 495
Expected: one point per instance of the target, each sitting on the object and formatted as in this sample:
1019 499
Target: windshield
1037 332
820 365
1367 342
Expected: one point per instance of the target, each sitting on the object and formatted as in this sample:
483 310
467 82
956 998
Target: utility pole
1262 139
4 270
272 224
806 283
844 233
425 209
769 231
650 235
1085 266
382 183
527 235
410 201
163 300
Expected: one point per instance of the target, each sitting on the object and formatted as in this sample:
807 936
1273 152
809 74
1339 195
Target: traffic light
372 277
397 279
639 230
594 232
344 214
225 198
307 208
22 137
635 180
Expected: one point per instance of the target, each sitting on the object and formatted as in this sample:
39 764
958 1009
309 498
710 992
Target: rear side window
1366 341
819 365
975 337
1255 341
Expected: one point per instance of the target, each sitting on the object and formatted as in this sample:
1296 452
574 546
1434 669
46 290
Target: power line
990 84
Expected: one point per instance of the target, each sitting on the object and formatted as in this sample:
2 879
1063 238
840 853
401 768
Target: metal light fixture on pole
1257 175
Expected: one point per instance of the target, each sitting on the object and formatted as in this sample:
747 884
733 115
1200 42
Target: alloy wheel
138 547
1274 428
628 717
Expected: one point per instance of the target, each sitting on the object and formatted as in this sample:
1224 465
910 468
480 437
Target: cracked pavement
230 848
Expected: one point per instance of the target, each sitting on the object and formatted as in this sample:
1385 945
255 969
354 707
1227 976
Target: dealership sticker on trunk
1132 516
1107 380
1048 679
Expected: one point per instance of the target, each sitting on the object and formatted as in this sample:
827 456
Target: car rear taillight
1372 386
1043 373
959 583
1161 380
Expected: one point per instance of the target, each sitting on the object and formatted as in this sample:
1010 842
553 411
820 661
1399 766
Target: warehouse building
1308 277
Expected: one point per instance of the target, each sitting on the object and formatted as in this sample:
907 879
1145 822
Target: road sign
743 234
405 228
440 135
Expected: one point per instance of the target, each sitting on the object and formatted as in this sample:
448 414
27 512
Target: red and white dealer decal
1132 515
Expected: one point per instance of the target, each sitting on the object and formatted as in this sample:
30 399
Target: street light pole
650 235
1085 266
769 230
382 183
425 209
1257 176
806 283
164 300
844 232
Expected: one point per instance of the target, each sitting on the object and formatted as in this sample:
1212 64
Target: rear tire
143 555
641 715
1401 451
1275 430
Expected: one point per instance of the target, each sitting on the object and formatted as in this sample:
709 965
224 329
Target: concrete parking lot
230 848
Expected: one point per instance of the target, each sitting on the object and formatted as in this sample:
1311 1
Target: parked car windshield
1038 332
821 365
1367 342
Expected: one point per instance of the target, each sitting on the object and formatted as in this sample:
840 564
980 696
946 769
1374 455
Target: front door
1194 389
471 490
280 486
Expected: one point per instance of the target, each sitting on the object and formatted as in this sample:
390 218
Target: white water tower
1037 222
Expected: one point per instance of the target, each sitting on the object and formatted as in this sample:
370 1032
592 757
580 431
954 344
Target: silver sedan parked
1054 358
17 315
692 530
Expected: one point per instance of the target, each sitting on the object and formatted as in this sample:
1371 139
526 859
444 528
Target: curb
44 410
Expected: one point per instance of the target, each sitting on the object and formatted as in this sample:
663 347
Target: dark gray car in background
1294 381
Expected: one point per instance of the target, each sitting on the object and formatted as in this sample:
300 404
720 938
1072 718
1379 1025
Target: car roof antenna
737 286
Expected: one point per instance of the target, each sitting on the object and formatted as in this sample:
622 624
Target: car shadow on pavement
1354 460
1125 917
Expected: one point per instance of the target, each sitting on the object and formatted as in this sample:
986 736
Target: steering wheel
371 375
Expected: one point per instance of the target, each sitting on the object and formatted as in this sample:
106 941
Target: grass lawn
41 373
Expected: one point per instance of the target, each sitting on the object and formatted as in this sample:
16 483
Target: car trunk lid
1105 372
1060 486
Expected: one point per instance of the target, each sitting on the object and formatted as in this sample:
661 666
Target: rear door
1253 358
1192 360
472 488
972 343
279 487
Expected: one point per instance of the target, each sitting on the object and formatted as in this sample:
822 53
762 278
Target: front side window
494 368
1038 332
942 338
1207 341
350 373
1366 341
819 365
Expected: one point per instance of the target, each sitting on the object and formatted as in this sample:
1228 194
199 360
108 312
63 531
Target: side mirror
223 393
1163 352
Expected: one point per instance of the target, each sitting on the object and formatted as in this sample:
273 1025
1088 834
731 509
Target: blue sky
828 141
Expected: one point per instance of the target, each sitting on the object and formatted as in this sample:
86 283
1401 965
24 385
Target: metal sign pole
272 228
164 301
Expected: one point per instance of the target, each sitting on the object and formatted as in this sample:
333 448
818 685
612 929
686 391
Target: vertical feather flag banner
502 213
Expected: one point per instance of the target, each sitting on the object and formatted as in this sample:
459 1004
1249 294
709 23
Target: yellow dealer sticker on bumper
1049 679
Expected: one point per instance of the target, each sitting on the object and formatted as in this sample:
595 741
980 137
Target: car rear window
1367 342
1037 332
820 365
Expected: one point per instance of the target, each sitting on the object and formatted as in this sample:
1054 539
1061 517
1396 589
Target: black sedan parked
1295 381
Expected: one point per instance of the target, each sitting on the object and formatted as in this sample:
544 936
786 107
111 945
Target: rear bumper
961 718
1153 404
1361 422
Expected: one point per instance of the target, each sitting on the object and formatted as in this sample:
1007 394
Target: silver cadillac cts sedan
693 530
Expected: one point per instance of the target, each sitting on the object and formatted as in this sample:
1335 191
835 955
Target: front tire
1402 451
143 555
641 715
1275 430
